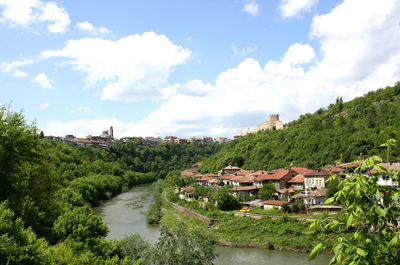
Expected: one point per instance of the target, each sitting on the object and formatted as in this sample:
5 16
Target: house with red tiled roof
245 191
279 179
312 197
302 170
316 179
273 203
230 169
297 183
243 172
227 179
187 191
350 167
275 171
203 180
189 172
242 181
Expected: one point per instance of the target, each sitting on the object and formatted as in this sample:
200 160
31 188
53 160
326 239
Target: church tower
111 133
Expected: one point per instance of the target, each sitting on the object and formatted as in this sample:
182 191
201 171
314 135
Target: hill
342 131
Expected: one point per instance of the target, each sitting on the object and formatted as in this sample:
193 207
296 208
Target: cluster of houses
149 140
103 141
106 139
305 184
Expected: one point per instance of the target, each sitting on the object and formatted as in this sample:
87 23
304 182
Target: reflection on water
256 256
125 214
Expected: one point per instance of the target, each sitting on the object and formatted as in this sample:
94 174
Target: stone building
273 124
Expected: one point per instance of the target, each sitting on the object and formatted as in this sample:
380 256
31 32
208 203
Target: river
125 214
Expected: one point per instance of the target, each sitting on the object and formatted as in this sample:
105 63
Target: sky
190 68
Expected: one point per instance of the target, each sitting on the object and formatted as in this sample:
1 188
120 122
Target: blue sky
190 68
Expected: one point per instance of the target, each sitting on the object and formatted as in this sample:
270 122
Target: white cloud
357 37
42 80
27 13
91 29
357 55
291 8
299 54
12 68
44 106
188 38
241 52
133 68
251 7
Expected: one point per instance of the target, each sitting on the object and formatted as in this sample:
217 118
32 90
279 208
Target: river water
125 214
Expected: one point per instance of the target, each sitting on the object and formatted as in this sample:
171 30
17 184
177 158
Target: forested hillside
47 190
342 131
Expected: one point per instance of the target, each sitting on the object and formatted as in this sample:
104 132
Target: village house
187 192
270 204
230 169
180 141
207 140
227 179
243 172
312 197
170 139
245 191
316 179
240 181
221 140
203 180
195 140
302 170
297 183
384 180
279 179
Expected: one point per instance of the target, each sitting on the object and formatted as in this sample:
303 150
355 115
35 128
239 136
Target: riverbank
282 233
125 214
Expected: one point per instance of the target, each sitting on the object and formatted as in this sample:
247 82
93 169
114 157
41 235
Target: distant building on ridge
273 124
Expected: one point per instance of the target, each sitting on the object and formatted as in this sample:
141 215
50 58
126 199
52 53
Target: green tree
17 244
183 246
225 199
136 248
266 191
371 224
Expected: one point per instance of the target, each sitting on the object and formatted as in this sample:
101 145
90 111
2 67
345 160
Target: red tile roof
351 164
274 202
244 179
203 178
187 188
318 173
297 179
301 170
275 171
243 172
276 176
212 180
210 175
245 188
228 176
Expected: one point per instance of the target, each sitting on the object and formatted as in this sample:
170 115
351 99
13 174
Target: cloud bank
354 57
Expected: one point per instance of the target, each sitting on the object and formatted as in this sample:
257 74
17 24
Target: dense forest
47 190
340 132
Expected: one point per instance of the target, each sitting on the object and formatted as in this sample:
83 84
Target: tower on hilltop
273 124
111 132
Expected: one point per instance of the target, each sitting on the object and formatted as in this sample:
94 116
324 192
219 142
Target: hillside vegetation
47 190
340 132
